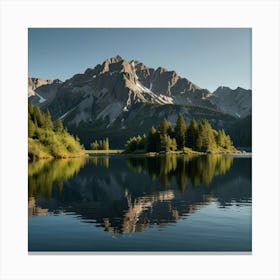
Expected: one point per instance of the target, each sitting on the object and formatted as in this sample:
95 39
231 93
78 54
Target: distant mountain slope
236 102
41 92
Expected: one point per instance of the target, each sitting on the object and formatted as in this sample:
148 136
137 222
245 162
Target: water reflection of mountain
130 195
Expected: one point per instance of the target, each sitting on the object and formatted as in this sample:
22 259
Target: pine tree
228 142
106 144
94 145
131 145
191 134
100 144
174 144
205 141
59 125
167 144
221 138
48 121
180 132
38 116
165 128
30 108
31 128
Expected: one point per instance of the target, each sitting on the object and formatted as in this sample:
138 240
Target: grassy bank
96 152
185 151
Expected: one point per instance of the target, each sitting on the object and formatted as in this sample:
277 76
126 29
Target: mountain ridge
116 93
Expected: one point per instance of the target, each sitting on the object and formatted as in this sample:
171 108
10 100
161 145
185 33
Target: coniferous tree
228 142
205 140
131 144
106 144
167 144
180 132
38 116
58 125
43 139
191 134
30 108
94 145
165 128
48 121
221 138
31 127
174 144
100 144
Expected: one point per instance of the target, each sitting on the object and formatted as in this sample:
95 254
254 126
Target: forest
197 137
47 139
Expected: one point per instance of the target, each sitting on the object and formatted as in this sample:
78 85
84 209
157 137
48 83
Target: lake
124 203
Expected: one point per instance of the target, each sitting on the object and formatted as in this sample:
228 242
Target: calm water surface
117 203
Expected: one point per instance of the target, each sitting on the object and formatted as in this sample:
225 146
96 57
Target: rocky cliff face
117 85
237 102
34 83
128 96
41 92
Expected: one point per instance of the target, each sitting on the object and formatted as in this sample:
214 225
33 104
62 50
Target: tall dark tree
180 132
191 134
152 140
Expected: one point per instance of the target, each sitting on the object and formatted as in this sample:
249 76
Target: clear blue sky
209 57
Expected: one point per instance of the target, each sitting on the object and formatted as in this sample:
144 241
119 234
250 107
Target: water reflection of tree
122 201
102 161
199 170
46 175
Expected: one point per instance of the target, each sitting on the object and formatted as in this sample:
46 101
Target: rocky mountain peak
222 89
34 83
237 102
160 70
116 58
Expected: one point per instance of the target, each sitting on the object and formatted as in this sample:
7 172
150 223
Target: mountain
119 98
41 92
237 102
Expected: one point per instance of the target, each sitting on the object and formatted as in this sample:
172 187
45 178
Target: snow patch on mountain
141 87
41 100
68 112
166 99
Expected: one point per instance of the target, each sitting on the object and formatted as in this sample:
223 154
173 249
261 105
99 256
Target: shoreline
88 153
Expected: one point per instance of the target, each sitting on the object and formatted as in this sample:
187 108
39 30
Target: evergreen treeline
198 136
100 144
47 139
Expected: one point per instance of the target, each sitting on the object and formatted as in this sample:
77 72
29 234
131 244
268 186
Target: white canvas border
262 16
